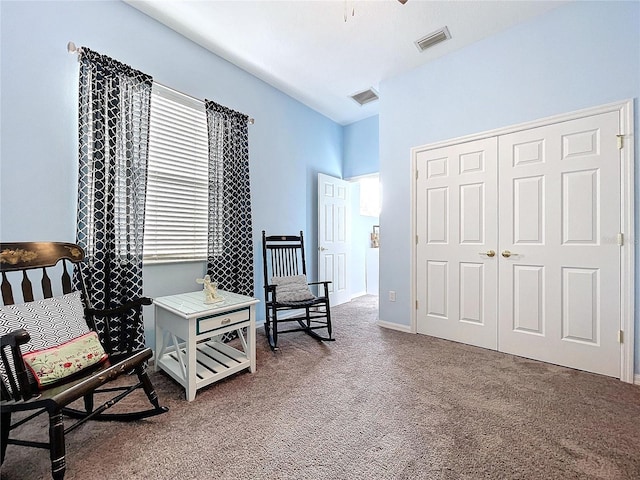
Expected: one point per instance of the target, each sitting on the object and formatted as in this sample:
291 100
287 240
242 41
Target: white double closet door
516 243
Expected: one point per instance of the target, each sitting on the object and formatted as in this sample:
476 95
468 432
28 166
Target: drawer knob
225 321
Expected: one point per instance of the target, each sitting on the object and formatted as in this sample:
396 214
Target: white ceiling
307 49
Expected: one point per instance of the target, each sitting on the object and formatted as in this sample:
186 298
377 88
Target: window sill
149 261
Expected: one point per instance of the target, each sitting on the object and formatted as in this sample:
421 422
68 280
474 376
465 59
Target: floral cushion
53 364
293 288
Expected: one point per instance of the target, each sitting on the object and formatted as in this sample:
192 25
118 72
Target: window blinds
177 178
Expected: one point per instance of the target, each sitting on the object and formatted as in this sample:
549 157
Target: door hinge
620 141
620 336
416 304
417 241
417 174
620 238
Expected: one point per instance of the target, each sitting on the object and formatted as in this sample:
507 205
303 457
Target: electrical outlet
392 296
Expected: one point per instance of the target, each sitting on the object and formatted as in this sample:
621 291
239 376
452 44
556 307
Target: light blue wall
361 147
289 143
579 55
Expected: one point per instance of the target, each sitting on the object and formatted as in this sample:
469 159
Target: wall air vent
433 39
367 96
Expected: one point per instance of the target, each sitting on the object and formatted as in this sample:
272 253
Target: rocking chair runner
21 394
286 289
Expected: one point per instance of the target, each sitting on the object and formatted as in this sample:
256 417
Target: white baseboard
394 326
636 379
358 294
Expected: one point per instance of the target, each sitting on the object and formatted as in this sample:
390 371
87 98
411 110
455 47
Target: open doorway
366 200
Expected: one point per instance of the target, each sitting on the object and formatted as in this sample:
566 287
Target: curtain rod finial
251 121
71 47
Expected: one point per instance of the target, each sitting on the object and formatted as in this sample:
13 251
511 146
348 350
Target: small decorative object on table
210 290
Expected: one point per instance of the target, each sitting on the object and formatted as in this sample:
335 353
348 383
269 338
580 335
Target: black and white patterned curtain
114 107
230 250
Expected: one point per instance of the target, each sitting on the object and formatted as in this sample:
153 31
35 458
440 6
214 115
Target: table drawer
207 324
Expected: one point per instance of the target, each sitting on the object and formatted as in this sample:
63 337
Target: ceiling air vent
367 96
433 39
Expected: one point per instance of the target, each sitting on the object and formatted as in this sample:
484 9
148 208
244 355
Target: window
370 196
177 182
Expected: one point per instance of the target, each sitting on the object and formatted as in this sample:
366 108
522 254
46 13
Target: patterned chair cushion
293 288
50 365
50 322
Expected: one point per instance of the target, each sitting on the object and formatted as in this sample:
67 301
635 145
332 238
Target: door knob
489 253
507 254
322 249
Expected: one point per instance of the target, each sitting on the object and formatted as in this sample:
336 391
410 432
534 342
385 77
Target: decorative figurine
210 290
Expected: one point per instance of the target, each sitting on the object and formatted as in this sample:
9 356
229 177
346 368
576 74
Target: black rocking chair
21 394
286 289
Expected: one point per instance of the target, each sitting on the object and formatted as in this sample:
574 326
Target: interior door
457 237
559 258
333 236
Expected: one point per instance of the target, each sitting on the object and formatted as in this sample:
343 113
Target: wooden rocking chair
21 390
286 289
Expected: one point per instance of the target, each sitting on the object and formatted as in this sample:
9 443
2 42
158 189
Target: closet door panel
456 224
559 280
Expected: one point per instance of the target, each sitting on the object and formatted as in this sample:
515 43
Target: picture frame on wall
375 236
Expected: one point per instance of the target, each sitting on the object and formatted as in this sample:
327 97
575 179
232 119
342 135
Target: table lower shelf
214 361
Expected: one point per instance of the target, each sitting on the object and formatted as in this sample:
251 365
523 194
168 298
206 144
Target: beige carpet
375 404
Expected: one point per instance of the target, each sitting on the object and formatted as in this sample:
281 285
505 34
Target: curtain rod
71 48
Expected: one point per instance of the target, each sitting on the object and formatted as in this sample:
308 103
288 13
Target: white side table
188 345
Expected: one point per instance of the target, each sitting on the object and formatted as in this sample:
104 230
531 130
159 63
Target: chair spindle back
26 256
283 255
